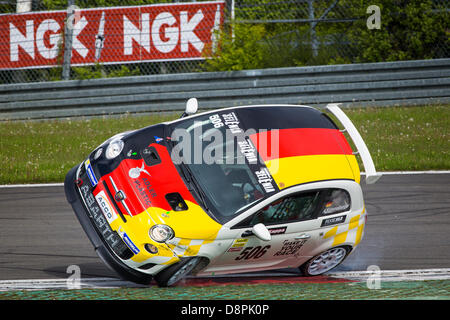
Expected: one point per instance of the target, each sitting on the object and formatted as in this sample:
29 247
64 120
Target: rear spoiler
371 174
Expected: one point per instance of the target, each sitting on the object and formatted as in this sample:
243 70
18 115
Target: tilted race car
227 191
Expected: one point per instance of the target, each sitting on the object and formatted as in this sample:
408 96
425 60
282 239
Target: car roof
298 144
236 108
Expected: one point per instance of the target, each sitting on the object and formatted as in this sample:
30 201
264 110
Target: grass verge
399 138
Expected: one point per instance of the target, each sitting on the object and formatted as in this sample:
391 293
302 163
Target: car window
335 201
300 207
220 165
294 208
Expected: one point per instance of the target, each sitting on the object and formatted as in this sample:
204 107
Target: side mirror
261 232
191 107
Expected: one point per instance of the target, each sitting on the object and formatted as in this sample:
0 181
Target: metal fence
315 31
374 84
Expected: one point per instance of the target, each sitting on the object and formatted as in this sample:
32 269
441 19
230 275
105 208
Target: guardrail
373 84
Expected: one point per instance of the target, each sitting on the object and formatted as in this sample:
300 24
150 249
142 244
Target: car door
294 228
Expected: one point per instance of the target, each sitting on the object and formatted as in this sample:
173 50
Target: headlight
161 233
114 149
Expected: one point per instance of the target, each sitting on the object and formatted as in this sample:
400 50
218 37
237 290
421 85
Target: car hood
145 186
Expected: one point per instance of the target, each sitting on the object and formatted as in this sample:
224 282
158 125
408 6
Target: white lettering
131 32
76 44
172 33
54 38
187 31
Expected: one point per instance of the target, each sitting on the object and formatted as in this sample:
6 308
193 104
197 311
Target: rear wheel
171 275
324 262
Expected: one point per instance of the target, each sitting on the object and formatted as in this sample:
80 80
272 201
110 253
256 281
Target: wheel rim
180 273
326 261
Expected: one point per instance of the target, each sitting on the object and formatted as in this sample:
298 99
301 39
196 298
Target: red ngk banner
111 35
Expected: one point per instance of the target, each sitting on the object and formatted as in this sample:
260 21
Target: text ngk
163 32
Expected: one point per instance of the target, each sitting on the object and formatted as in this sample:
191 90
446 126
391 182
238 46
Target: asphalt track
408 228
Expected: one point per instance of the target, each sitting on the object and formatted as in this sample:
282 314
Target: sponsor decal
330 210
290 247
90 173
232 123
145 189
279 230
239 243
135 173
99 219
229 120
248 150
158 139
128 241
265 180
127 34
106 207
332 221
234 249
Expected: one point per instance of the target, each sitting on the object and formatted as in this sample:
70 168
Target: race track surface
407 228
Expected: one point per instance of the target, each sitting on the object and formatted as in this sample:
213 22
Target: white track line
96 283
411 172
47 284
395 275
38 185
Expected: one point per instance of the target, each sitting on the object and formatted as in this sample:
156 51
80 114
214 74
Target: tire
171 275
324 261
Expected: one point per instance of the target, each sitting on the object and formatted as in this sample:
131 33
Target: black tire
171 275
325 261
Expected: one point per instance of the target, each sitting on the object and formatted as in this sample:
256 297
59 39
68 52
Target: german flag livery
257 188
309 145
324 153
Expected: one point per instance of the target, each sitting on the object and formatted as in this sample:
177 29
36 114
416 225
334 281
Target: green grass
406 138
399 138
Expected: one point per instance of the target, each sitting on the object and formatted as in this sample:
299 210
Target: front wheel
324 262
176 272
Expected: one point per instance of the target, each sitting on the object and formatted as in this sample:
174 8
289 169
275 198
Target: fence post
314 44
68 33
23 6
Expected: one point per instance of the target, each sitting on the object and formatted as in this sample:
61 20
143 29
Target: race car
233 190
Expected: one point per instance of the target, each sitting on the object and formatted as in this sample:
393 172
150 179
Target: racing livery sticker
128 241
239 243
265 180
332 221
290 247
277 230
135 173
247 148
145 189
106 207
90 173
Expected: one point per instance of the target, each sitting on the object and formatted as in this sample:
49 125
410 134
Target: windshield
219 153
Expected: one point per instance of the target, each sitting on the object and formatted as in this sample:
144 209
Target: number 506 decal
252 253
